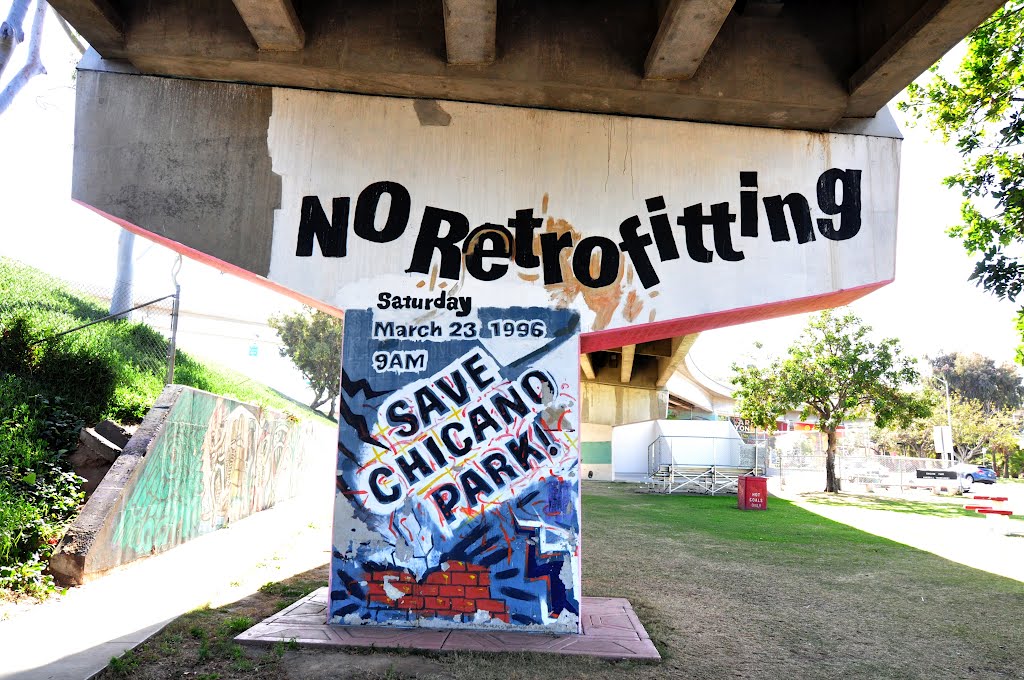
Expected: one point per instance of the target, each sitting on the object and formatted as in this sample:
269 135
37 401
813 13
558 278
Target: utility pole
949 416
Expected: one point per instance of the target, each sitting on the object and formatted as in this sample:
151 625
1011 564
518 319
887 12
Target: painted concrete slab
458 495
647 228
610 629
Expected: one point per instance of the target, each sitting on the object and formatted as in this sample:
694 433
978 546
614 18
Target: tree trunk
121 299
10 36
831 480
318 399
11 31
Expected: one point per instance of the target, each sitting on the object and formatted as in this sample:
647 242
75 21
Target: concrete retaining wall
197 462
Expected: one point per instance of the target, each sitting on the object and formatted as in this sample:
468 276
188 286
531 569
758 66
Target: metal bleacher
667 476
697 479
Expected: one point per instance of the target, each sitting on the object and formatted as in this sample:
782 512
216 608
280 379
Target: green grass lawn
723 593
113 369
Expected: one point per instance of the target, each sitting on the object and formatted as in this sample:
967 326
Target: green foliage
312 340
50 387
978 432
835 372
979 109
111 370
38 494
978 378
124 665
238 624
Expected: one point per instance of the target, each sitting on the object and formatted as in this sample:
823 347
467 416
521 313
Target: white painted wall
629 450
583 174
687 442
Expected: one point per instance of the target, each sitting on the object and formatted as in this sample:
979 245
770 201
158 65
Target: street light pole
949 416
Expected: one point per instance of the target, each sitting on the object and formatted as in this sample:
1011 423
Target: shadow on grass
927 508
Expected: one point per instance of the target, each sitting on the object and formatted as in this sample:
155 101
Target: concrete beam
626 366
389 49
680 348
98 22
918 43
470 27
273 24
685 35
587 367
655 348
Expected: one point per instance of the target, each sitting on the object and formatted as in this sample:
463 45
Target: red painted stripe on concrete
589 342
659 330
223 266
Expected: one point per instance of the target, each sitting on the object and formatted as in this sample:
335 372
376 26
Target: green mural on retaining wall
215 461
596 453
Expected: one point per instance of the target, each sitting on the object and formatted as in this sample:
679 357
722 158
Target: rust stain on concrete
634 306
602 301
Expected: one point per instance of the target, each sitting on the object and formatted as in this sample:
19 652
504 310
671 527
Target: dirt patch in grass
723 593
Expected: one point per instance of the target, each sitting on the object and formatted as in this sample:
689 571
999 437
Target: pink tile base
610 630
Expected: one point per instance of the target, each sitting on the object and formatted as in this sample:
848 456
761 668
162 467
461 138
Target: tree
977 433
981 110
312 339
12 34
978 378
837 373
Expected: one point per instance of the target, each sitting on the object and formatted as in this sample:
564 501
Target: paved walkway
966 540
74 636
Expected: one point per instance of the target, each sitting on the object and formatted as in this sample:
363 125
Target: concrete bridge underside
800 64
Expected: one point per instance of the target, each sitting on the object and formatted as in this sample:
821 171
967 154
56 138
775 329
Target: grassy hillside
51 387
110 370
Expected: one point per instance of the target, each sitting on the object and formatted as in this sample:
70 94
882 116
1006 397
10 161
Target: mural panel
214 462
458 467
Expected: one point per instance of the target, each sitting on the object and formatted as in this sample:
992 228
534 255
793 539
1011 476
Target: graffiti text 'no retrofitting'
486 250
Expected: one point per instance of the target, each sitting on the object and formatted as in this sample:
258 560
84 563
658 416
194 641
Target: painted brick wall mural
458 468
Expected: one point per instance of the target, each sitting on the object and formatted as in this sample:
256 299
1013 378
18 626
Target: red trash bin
752 493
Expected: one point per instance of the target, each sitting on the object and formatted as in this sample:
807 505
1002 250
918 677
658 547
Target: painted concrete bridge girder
650 229
794 64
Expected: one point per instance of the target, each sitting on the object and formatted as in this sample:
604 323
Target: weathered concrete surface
331 149
113 433
469 28
196 463
686 32
194 154
93 458
910 48
72 563
804 67
273 24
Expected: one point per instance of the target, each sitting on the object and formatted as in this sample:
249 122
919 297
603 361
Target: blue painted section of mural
458 470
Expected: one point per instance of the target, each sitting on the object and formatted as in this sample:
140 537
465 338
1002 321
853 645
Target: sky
931 307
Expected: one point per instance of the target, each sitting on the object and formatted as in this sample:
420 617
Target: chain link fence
62 308
797 460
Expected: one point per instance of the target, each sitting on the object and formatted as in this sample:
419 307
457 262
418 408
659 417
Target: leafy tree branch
833 371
